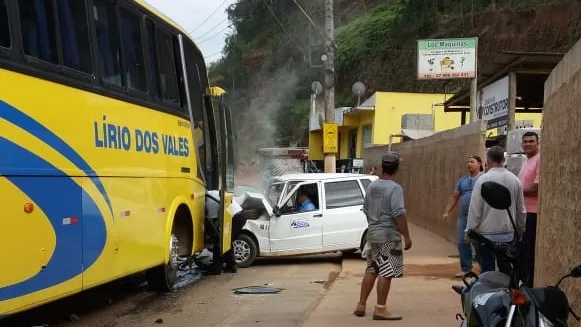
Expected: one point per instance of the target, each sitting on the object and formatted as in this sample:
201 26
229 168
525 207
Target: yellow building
401 115
384 114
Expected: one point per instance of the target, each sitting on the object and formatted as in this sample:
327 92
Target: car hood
252 200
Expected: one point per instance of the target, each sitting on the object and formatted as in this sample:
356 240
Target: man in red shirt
529 178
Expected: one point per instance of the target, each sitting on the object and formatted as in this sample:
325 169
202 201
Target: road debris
257 290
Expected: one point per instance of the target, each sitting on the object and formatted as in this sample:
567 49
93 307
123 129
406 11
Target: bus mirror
276 211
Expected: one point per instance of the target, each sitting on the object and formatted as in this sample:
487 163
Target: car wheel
245 250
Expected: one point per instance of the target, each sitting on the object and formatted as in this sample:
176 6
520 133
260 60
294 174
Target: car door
343 219
298 232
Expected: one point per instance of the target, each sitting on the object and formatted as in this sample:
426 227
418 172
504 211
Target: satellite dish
358 88
317 87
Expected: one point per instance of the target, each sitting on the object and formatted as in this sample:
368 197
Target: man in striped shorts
386 217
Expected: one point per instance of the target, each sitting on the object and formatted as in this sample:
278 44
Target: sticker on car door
296 224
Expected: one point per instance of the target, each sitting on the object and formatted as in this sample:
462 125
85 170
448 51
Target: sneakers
383 314
378 314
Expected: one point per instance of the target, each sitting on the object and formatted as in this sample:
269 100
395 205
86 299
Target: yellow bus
108 145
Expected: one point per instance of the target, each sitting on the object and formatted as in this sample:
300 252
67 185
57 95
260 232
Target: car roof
321 176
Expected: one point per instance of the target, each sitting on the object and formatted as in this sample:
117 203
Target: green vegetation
364 36
271 60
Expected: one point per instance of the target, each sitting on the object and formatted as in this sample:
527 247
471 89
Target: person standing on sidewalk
463 193
529 177
496 225
387 223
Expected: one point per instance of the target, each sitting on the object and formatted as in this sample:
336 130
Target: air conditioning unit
519 124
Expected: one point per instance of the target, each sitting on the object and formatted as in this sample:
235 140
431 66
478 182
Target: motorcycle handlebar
473 235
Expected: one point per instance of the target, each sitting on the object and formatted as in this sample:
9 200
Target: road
209 302
423 297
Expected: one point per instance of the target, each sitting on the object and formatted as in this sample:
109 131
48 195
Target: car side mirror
496 195
276 211
576 272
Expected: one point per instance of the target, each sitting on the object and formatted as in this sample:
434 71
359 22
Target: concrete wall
429 171
559 228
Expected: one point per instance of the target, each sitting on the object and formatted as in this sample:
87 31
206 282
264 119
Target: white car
275 228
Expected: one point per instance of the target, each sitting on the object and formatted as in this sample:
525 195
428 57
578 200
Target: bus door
226 169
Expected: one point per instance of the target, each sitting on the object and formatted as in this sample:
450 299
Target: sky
206 21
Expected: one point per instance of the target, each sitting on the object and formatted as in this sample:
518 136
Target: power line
211 15
213 36
213 54
213 28
283 28
312 22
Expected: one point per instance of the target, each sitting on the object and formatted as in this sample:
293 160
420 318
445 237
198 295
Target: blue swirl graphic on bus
78 245
27 123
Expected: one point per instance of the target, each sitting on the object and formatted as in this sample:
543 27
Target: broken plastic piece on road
257 290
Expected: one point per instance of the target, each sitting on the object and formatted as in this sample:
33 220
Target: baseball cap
390 157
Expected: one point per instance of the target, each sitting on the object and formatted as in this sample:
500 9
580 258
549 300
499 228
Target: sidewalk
423 297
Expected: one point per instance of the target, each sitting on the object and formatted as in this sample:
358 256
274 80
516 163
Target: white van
275 228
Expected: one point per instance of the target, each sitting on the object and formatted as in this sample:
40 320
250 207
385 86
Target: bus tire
163 277
245 250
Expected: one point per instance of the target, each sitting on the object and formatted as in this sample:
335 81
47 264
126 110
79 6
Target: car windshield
274 192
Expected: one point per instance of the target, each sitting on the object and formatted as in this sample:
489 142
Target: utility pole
329 64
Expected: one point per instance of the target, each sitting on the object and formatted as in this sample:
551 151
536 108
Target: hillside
268 63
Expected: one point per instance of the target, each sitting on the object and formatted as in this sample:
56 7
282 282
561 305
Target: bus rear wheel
163 277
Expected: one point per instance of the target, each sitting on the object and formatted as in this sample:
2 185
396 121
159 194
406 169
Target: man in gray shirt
386 217
492 223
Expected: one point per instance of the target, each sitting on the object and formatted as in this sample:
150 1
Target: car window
290 186
343 194
293 205
365 183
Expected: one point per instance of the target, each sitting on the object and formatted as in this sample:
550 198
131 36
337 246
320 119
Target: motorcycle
495 299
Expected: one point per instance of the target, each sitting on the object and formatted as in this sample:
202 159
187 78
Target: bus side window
197 99
38 29
5 41
167 70
107 40
133 50
74 32
152 60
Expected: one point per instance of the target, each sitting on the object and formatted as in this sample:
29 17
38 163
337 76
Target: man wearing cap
386 218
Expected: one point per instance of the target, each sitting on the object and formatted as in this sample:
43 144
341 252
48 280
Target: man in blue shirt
305 203
463 193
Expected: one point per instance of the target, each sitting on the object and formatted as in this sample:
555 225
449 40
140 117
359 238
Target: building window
343 194
5 40
367 129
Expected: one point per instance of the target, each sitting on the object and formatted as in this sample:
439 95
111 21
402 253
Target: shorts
385 259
